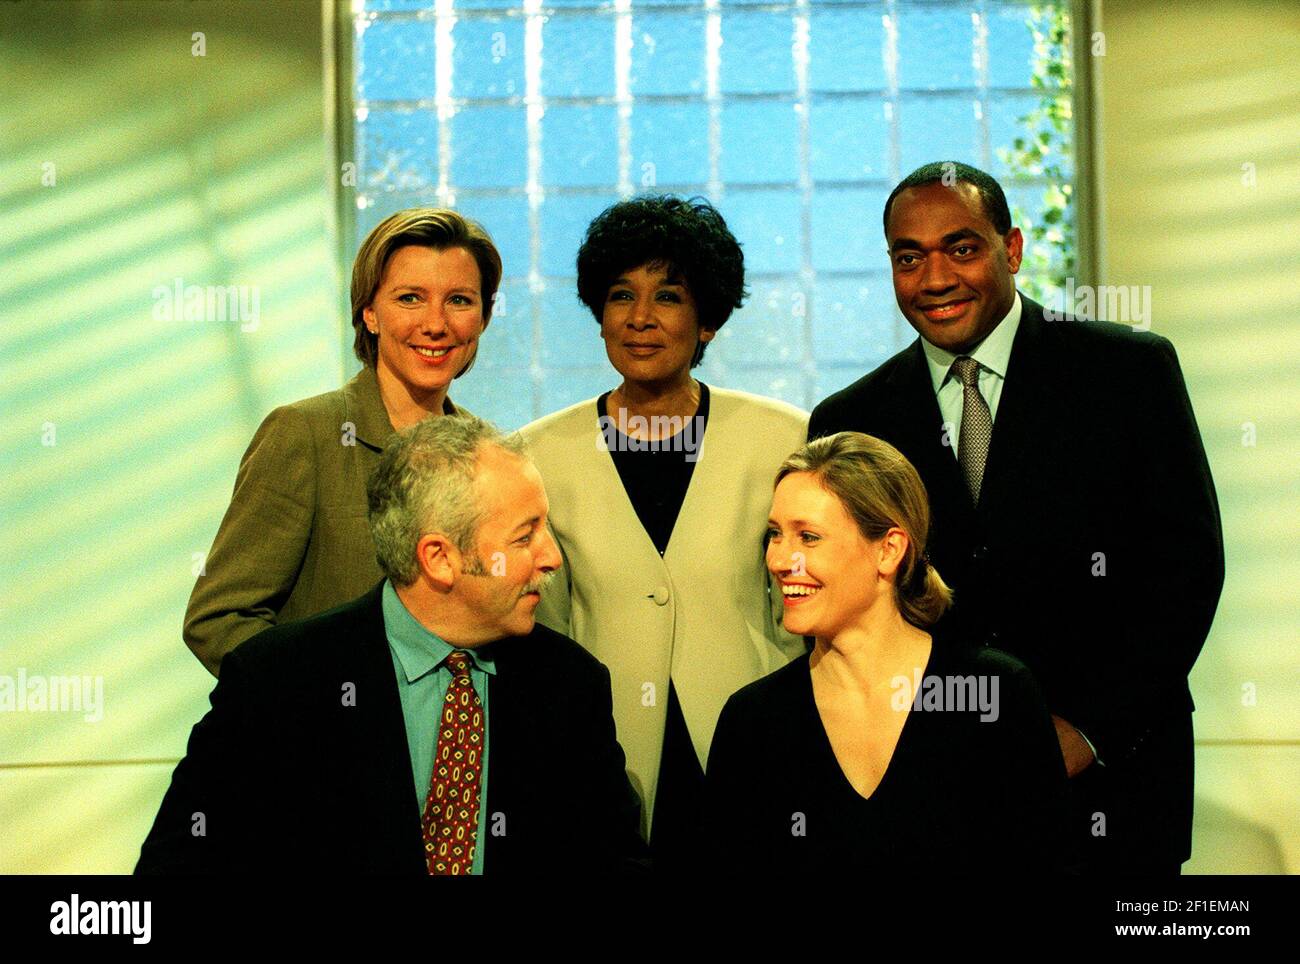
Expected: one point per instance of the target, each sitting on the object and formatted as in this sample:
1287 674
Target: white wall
1196 99
129 162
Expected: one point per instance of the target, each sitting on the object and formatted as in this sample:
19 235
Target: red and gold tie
451 809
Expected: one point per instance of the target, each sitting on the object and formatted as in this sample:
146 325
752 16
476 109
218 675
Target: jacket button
979 553
660 595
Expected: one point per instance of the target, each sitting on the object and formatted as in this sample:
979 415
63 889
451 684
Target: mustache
538 585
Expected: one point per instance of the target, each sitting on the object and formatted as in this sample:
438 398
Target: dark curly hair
688 236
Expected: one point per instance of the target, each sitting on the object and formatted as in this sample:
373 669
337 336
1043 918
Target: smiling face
650 327
428 315
830 574
513 546
952 270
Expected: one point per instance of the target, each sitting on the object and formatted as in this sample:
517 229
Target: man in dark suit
1074 514
430 725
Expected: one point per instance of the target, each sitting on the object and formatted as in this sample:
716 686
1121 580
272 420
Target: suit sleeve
1179 566
201 827
259 549
1188 532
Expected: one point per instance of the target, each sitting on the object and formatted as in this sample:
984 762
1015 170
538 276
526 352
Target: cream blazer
703 612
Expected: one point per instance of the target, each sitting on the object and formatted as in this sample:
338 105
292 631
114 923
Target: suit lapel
383 753
715 446
616 506
1021 413
516 757
921 435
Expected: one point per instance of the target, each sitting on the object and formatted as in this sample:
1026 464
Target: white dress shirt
993 355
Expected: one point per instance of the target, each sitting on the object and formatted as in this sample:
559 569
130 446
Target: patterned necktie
976 426
451 810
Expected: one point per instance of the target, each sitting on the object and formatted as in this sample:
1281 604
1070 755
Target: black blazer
1095 554
302 763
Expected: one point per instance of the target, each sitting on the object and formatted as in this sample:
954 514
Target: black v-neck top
961 795
656 475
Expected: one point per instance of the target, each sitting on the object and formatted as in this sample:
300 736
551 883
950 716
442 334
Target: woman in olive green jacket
295 540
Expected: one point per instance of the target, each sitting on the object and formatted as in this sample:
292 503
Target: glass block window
794 118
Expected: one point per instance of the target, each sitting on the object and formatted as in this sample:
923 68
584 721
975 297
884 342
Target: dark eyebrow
421 289
665 283
964 234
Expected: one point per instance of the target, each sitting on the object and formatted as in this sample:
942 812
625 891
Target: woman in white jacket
659 492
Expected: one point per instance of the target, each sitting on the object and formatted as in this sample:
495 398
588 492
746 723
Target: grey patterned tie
976 426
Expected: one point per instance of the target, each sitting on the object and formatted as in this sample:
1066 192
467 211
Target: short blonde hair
881 490
437 228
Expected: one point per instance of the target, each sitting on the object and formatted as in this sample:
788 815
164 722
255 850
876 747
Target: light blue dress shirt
993 355
420 664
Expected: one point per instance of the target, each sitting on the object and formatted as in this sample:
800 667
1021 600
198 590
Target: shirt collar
417 649
365 409
993 353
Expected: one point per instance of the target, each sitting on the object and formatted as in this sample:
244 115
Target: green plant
1043 152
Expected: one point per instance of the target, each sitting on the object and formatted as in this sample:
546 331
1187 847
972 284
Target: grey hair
425 483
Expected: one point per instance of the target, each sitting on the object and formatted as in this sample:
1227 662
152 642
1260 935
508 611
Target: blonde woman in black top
890 745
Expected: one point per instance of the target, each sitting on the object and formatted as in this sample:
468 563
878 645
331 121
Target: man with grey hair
430 726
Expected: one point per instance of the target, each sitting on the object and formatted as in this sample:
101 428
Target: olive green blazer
704 612
295 540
